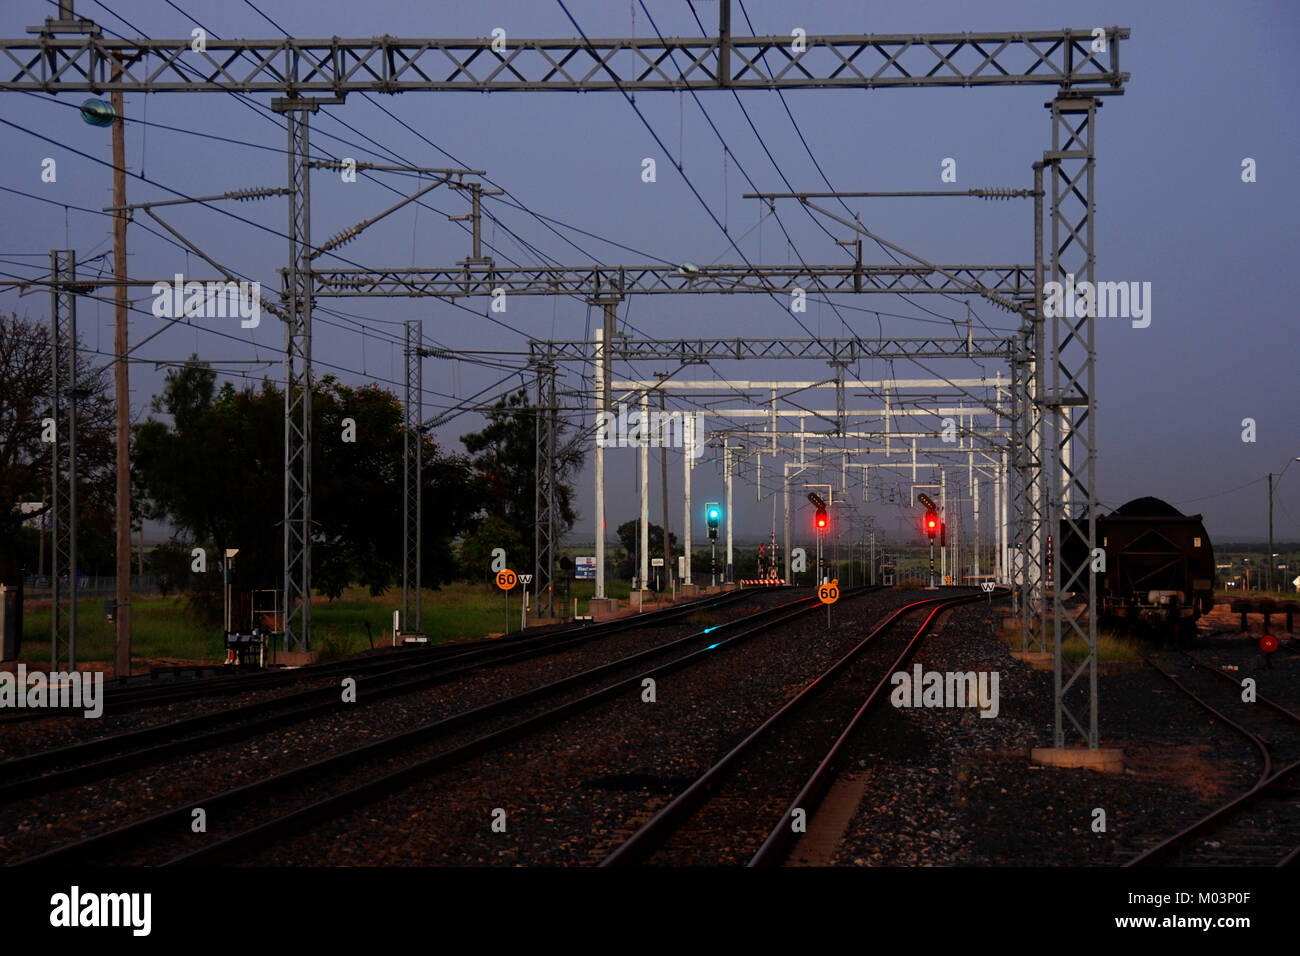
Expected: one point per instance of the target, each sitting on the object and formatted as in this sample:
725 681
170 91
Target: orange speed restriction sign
829 593
507 579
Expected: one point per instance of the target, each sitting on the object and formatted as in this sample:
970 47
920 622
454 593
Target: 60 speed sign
829 593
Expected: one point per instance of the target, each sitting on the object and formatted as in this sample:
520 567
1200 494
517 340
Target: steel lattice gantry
544 536
63 458
337 66
412 481
297 391
594 282
69 55
544 355
697 351
1070 402
864 435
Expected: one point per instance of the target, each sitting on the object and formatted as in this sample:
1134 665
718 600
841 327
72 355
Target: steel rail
781 839
236 799
658 829
27 776
1266 781
119 699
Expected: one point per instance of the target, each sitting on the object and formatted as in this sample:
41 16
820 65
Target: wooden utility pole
1268 558
122 654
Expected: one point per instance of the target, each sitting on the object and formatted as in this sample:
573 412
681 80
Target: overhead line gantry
68 54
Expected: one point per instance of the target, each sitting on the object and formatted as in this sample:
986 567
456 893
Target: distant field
164 627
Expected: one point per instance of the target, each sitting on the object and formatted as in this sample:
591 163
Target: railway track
294 799
736 812
1261 826
119 699
51 770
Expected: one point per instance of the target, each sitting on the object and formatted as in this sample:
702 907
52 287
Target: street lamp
225 571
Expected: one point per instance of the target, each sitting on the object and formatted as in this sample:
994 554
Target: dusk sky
1211 85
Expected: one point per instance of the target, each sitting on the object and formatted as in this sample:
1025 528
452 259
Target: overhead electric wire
821 172
523 243
651 130
271 118
256 345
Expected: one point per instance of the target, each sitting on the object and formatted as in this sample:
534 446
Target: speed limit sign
829 593
507 579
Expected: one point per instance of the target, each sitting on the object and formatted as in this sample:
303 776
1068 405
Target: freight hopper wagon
1159 575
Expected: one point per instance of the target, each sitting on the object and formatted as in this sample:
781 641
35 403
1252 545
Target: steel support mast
412 481
63 459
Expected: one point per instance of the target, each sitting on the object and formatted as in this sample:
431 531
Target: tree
25 373
476 552
217 470
170 565
628 536
505 457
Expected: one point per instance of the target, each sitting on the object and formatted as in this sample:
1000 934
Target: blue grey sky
1211 84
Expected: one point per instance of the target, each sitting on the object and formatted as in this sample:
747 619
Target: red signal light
821 520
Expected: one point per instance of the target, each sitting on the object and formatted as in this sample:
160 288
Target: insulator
244 195
999 193
341 239
98 112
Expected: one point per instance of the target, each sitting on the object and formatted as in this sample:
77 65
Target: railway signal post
931 530
712 513
821 521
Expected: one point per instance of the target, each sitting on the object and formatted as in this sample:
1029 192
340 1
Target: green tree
628 536
505 458
170 565
476 551
216 472
25 372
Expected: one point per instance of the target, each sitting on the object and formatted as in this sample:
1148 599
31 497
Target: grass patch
160 627
1111 646
165 627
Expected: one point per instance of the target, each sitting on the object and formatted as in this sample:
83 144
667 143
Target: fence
37 586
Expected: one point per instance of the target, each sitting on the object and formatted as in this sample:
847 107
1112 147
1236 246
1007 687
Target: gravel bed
1277 678
947 787
756 792
572 792
32 826
34 736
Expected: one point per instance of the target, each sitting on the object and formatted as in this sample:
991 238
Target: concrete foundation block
1038 660
1105 759
296 658
602 608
